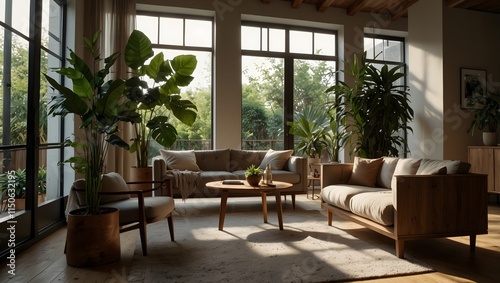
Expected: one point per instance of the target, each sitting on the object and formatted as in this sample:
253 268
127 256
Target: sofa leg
330 218
400 248
472 244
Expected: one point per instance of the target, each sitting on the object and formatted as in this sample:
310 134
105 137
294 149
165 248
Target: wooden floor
46 262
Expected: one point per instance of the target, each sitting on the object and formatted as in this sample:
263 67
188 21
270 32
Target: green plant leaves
138 50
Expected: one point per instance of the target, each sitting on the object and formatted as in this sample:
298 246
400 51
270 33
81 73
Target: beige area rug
248 250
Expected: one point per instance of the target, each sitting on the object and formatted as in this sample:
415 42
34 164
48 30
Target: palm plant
100 105
156 102
374 110
311 126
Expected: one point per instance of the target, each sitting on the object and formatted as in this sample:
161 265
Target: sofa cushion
180 159
384 178
452 166
276 159
213 160
365 171
242 159
405 166
433 167
376 206
340 195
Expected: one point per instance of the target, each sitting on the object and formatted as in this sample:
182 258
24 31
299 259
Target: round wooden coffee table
245 188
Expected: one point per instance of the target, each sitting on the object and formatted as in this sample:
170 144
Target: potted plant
373 110
100 104
486 116
155 88
253 174
13 184
310 127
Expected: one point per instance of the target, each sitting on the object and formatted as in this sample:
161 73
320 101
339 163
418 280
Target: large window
31 39
174 35
285 70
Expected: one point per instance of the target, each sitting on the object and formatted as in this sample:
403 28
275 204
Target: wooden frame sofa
421 206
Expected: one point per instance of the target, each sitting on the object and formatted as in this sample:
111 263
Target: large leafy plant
374 109
100 104
311 126
486 112
155 88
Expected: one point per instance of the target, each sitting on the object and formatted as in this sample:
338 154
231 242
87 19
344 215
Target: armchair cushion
111 182
157 207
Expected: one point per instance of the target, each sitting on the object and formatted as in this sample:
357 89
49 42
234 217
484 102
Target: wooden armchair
136 210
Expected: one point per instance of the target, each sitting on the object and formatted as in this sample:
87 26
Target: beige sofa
227 164
407 199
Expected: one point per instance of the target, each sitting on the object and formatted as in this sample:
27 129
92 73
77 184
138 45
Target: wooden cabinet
486 160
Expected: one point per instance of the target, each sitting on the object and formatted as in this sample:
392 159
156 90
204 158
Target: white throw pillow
276 159
387 171
405 166
436 167
180 159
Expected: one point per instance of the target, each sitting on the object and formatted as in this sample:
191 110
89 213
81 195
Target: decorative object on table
267 177
486 110
253 174
472 85
361 109
99 105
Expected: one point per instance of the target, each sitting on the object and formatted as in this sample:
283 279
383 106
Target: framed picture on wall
472 84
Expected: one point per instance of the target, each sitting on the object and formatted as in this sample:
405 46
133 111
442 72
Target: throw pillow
113 182
437 167
386 171
180 159
365 171
405 166
276 159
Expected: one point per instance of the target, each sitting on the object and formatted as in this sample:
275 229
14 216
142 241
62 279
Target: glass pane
198 33
14 98
51 21
324 44
262 103
277 40
48 176
149 26
21 16
379 49
250 38
301 42
13 179
264 39
370 51
311 79
393 51
171 31
199 91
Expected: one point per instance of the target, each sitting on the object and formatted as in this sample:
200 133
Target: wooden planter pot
93 240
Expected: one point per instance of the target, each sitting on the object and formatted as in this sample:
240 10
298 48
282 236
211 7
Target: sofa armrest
335 173
440 205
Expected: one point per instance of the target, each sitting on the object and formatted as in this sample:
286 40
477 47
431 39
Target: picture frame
472 84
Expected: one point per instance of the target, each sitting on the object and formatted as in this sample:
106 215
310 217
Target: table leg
264 205
279 209
222 212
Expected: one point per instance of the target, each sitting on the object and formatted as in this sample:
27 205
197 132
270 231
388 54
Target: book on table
233 182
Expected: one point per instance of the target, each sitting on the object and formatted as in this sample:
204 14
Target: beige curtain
116 21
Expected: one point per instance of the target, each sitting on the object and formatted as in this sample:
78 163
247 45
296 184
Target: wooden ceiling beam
453 3
404 9
471 3
265 1
323 5
358 6
296 3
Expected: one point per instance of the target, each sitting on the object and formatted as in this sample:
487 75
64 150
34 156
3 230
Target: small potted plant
253 175
486 116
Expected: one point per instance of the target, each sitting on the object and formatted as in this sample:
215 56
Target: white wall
228 15
425 77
